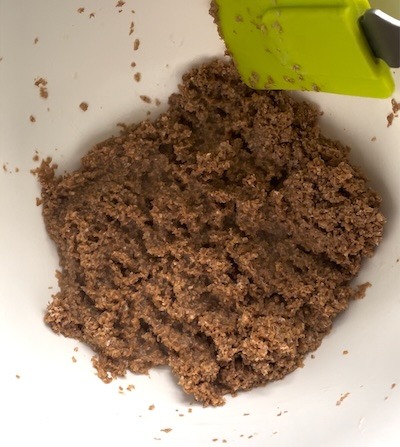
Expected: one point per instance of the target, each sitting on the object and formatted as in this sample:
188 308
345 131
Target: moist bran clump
219 239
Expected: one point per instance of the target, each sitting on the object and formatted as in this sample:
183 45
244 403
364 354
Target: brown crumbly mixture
219 239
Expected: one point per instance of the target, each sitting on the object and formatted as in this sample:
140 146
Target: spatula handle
383 34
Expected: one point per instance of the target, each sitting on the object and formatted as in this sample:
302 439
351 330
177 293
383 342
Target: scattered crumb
39 201
92 15
395 106
131 28
224 441
132 11
133 64
32 119
386 398
246 414
36 40
130 387
148 113
83 106
157 102
373 139
215 440
189 410
76 349
50 288
81 10
312 356
123 127
315 88
1 59
41 83
16 169
137 76
280 413
157 439
361 290
17 376
136 44
73 359
5 167
166 430
249 437
35 157
119 4
342 398
275 433
393 386
151 407
145 99
181 415
397 260
345 352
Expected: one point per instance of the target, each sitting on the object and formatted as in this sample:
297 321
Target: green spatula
338 46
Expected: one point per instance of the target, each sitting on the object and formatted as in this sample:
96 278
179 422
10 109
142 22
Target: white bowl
56 401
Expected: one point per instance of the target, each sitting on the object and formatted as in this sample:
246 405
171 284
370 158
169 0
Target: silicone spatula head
302 45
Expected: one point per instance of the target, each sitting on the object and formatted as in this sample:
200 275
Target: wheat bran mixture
219 239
